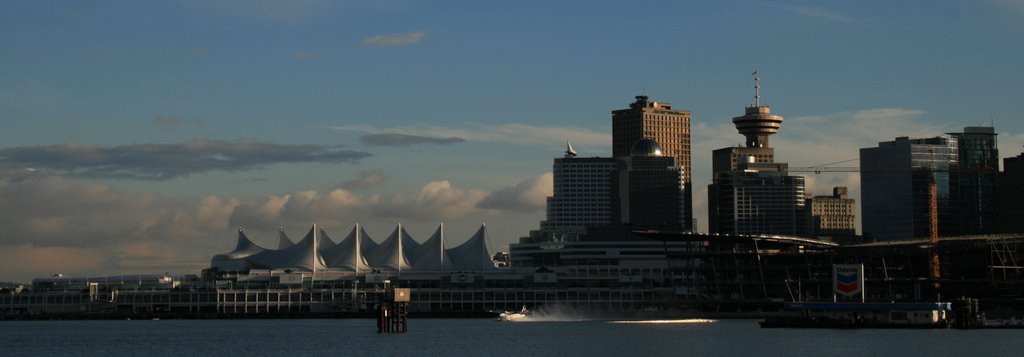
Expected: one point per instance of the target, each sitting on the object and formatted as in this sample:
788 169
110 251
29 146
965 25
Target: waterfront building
651 189
582 196
653 275
669 127
896 178
1011 195
358 253
831 216
750 193
978 179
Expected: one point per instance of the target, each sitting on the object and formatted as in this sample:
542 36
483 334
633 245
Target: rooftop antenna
569 151
757 89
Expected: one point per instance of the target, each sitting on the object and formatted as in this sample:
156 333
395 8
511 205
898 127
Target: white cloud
395 39
54 224
529 195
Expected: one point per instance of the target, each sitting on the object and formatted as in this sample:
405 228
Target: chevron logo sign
848 279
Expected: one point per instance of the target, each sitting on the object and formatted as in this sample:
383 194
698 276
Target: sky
138 136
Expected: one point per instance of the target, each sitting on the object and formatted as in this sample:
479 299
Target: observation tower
758 122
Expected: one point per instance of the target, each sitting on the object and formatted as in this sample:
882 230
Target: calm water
485 337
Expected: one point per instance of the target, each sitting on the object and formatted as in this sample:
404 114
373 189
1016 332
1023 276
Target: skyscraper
978 179
668 127
582 195
757 198
651 189
750 192
895 181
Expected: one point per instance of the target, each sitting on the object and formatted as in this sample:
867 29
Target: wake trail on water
680 321
559 313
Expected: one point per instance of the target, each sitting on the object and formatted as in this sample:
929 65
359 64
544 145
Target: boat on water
514 315
862 315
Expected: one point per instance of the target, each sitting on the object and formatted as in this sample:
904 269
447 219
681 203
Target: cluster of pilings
393 310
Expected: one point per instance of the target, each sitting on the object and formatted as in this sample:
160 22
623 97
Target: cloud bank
166 161
527 196
56 224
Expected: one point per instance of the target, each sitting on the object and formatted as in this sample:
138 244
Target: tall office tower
831 216
582 195
751 193
651 189
895 193
1011 196
668 127
978 178
757 198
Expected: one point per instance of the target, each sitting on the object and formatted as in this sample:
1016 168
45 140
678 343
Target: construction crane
840 169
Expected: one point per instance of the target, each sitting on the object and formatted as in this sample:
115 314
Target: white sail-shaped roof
410 246
325 242
431 255
391 254
235 259
473 254
303 255
348 255
283 242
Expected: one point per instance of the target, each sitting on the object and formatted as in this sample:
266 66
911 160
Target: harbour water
486 337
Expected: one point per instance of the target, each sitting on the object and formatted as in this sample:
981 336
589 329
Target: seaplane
514 315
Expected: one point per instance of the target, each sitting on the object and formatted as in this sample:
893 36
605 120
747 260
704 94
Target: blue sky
137 135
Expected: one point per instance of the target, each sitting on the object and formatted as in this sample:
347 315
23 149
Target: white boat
514 315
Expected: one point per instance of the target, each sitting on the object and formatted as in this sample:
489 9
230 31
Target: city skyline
138 136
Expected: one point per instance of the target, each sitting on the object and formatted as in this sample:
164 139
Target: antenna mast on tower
757 89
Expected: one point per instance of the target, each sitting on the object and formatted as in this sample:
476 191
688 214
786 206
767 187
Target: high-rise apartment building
896 178
831 216
582 195
978 179
668 127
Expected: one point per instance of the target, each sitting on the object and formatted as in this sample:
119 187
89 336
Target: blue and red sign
848 279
